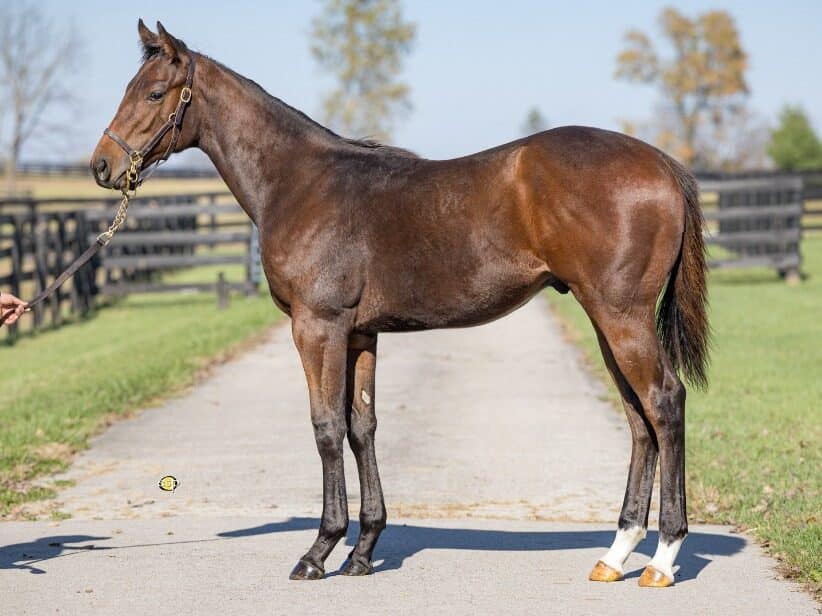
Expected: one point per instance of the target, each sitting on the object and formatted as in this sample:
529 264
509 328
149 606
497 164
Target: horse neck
255 140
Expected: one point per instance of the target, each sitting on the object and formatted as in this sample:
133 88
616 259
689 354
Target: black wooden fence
34 249
756 221
39 238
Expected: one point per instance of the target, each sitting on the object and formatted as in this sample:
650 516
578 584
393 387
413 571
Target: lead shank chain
136 161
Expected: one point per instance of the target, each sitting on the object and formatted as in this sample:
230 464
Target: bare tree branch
37 59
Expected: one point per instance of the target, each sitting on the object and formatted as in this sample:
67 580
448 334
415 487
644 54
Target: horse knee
373 519
334 529
329 435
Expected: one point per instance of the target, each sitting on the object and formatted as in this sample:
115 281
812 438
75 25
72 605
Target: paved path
503 473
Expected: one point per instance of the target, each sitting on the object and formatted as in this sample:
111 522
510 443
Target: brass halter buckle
185 94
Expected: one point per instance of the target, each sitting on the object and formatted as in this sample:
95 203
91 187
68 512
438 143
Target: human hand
11 308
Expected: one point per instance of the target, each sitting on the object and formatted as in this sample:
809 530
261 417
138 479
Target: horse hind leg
633 520
645 366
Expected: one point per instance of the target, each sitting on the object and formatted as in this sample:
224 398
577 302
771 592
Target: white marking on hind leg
624 543
663 560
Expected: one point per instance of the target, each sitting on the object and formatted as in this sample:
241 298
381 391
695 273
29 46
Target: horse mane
366 144
148 52
376 145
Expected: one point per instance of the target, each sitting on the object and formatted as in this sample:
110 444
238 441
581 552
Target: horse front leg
323 346
362 425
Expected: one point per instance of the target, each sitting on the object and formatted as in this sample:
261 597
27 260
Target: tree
702 84
794 145
35 60
363 43
534 123
739 143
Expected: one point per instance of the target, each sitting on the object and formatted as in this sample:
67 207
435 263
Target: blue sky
476 69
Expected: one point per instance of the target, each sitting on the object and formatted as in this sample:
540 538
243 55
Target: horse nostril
101 170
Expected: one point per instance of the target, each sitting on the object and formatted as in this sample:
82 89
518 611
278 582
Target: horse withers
359 238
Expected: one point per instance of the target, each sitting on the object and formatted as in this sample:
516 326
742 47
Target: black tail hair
682 319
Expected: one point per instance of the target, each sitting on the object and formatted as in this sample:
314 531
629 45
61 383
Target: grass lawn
61 386
754 438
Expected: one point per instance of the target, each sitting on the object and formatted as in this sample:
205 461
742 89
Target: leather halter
134 175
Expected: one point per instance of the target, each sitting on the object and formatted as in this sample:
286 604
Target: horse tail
682 320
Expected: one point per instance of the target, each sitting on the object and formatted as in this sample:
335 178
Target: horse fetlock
373 522
609 567
332 532
356 565
660 571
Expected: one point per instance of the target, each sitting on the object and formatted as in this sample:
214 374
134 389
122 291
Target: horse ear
148 40
172 47
147 37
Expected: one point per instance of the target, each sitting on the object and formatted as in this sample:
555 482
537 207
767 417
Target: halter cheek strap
134 177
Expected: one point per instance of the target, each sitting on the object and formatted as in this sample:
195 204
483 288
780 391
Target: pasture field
62 386
754 438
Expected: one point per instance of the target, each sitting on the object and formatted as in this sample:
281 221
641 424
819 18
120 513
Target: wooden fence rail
754 221
38 247
39 238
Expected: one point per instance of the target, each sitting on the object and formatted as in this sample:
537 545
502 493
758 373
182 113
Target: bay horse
359 238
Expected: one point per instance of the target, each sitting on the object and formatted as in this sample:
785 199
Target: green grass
754 438
61 386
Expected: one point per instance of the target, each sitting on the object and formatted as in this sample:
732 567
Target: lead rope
133 180
132 175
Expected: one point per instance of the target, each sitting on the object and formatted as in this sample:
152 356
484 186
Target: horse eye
155 96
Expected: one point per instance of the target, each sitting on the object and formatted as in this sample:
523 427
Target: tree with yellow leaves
703 83
363 43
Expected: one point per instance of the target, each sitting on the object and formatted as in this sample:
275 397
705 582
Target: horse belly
491 299
457 299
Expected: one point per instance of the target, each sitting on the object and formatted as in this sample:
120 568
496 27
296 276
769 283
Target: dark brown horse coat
359 239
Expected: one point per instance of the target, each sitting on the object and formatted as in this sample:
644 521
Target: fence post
16 270
212 220
40 265
252 270
223 296
57 298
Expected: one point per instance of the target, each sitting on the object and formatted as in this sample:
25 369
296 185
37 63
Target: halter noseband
134 177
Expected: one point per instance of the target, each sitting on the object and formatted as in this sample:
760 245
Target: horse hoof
304 570
352 567
654 578
603 573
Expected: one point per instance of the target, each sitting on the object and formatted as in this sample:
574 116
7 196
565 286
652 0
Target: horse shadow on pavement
401 541
25 556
